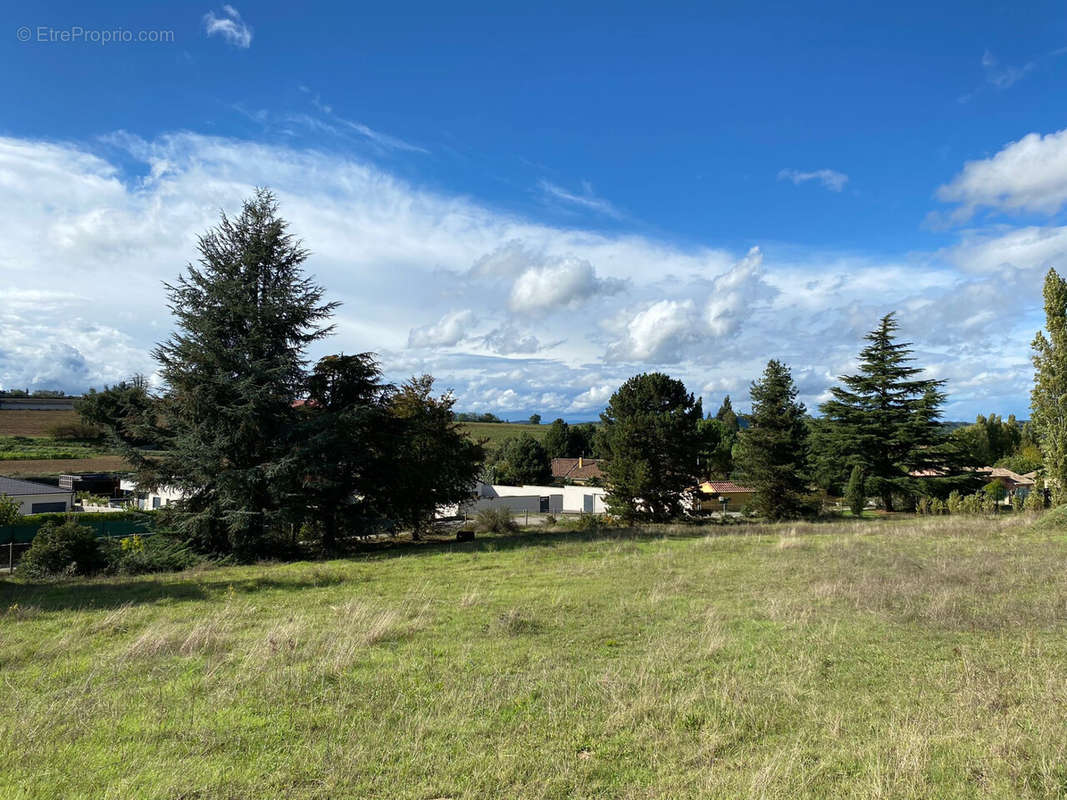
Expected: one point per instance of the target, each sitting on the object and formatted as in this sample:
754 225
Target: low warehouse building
36 498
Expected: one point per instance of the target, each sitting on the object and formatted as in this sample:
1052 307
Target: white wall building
533 499
36 498
150 500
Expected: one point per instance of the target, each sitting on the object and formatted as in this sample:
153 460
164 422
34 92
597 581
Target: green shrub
954 504
63 548
76 432
495 520
856 492
1034 502
138 555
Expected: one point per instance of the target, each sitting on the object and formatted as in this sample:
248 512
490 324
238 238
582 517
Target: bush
63 548
75 432
1034 502
855 492
495 520
137 555
954 504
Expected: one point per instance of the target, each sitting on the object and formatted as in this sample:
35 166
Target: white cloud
1003 77
657 333
830 179
448 331
1028 248
587 200
229 26
564 283
1027 175
89 244
595 397
735 293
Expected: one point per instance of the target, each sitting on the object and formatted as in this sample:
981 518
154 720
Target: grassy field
33 423
862 659
496 432
62 466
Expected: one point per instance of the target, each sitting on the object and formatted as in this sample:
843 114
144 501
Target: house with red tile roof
579 470
709 495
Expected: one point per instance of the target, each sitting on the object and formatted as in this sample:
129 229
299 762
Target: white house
36 498
150 500
533 499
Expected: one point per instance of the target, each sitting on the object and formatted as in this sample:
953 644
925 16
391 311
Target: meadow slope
865 659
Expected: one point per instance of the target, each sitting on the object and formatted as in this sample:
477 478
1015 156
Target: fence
105 528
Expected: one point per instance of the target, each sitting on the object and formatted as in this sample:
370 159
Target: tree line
266 446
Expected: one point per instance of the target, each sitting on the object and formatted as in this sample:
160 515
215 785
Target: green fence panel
23 534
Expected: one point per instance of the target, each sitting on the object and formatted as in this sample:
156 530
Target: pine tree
1048 399
233 368
649 436
886 420
343 445
772 450
727 417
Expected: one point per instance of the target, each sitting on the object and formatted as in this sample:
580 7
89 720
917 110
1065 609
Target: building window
47 508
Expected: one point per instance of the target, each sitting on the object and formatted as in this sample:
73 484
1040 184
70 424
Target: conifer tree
649 436
232 370
1048 399
885 420
856 491
772 450
557 439
727 417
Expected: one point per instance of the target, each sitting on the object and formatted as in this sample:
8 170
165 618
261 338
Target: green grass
26 448
921 659
496 432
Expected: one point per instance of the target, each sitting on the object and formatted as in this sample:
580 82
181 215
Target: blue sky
534 206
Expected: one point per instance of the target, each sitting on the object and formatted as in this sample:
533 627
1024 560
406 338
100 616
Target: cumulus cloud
1027 175
426 280
229 26
448 331
508 339
830 179
564 283
657 333
595 397
735 293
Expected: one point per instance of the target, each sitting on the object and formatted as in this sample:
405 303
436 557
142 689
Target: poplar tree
232 370
886 420
772 450
1048 399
